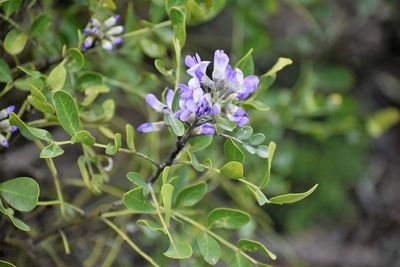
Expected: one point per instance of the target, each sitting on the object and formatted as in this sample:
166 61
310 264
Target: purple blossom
205 99
148 127
5 126
197 68
104 33
206 129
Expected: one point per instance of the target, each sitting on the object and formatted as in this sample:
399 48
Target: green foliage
20 193
209 248
15 42
227 218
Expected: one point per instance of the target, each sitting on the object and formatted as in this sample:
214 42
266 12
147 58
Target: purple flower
103 33
148 127
197 68
5 126
221 61
237 115
205 129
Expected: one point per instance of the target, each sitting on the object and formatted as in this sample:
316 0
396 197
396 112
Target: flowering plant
173 208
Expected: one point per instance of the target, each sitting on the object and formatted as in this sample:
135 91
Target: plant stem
56 180
129 241
180 144
146 30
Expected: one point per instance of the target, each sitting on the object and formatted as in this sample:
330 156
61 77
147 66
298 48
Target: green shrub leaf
83 137
51 151
135 200
192 194
232 170
227 218
209 248
15 42
291 198
179 250
232 151
251 245
67 112
21 193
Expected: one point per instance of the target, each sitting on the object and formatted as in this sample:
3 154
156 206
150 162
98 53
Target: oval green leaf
135 200
232 170
252 245
15 42
21 193
67 112
192 194
227 218
209 248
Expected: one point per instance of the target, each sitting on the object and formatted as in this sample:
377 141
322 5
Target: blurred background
334 113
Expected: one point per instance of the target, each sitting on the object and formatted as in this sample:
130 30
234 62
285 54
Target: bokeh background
334 114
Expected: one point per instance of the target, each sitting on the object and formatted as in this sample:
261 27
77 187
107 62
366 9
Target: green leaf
232 170
40 105
20 224
15 42
238 260
5 72
195 162
21 193
152 225
29 132
244 133
67 112
160 66
268 78
258 105
6 264
271 152
11 6
209 248
177 17
256 191
251 245
179 250
166 196
112 149
130 136
137 179
256 139
83 137
262 151
32 73
200 142
84 171
40 24
151 48
191 195
227 218
51 151
177 125
76 59
246 63
291 198
57 77
232 151
135 200
382 120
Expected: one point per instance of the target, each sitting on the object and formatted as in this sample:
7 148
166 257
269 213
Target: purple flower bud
154 103
13 128
237 115
169 97
3 141
115 30
86 31
10 109
118 40
106 44
148 127
249 86
206 129
221 61
88 42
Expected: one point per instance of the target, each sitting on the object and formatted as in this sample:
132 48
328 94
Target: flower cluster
206 99
105 33
5 126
